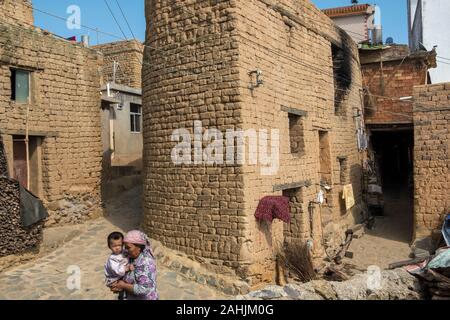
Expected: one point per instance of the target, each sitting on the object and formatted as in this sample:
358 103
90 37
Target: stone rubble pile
395 285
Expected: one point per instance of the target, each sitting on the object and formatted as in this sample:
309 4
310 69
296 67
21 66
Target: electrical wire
314 68
114 17
126 20
443 62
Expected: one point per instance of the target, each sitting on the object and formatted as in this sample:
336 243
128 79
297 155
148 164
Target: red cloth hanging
273 207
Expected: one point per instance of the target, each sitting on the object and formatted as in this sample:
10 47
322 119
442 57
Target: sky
95 15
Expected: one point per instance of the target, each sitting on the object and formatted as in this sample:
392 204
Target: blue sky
95 14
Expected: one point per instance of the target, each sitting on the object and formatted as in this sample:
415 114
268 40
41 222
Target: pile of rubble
387 285
74 208
434 272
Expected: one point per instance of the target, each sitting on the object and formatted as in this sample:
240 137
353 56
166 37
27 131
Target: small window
296 134
135 117
20 85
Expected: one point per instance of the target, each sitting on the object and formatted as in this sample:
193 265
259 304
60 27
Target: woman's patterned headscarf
139 238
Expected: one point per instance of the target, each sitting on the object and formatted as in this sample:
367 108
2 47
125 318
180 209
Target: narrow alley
46 277
389 240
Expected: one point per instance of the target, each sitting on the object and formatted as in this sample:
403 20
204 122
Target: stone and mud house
249 65
50 90
121 111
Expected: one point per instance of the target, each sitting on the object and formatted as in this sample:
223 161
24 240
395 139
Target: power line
314 68
81 25
114 17
126 20
443 62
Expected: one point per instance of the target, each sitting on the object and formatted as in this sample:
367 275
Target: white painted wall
435 31
355 26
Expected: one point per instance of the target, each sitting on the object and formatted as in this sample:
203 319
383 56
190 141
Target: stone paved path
46 277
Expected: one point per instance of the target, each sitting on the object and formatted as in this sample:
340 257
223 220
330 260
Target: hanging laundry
273 207
321 197
347 195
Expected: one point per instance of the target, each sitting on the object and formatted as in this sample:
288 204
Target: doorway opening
394 154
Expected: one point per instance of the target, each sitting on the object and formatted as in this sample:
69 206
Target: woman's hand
118 286
121 286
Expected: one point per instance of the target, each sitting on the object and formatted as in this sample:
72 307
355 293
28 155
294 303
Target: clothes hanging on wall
348 197
273 207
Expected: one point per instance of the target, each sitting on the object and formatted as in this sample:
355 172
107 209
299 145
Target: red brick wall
394 81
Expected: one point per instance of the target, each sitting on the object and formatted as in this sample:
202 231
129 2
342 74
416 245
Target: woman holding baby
139 281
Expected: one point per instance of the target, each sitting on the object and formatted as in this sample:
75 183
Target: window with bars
135 117
20 85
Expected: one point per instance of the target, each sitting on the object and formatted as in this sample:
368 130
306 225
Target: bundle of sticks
14 237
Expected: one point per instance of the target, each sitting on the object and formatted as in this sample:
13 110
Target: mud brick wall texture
431 157
199 70
18 12
64 111
129 56
396 80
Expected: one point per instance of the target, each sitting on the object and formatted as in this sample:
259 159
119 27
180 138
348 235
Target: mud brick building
122 61
52 88
431 158
261 65
121 108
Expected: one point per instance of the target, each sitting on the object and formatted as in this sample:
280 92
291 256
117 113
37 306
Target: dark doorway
394 155
394 152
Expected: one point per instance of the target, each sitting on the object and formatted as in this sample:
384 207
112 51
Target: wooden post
27 147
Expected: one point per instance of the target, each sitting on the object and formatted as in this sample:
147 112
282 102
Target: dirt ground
390 239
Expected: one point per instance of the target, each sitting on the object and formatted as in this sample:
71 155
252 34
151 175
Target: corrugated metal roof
346 11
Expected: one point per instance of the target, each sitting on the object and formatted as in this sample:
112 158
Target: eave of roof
347 11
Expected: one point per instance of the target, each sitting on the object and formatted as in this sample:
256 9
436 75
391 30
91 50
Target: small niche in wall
343 170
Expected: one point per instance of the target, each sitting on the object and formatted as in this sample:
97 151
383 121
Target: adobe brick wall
64 111
395 80
431 157
199 71
129 56
19 12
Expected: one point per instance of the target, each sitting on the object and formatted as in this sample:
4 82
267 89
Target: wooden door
20 162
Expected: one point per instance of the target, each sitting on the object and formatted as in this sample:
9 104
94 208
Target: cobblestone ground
47 277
